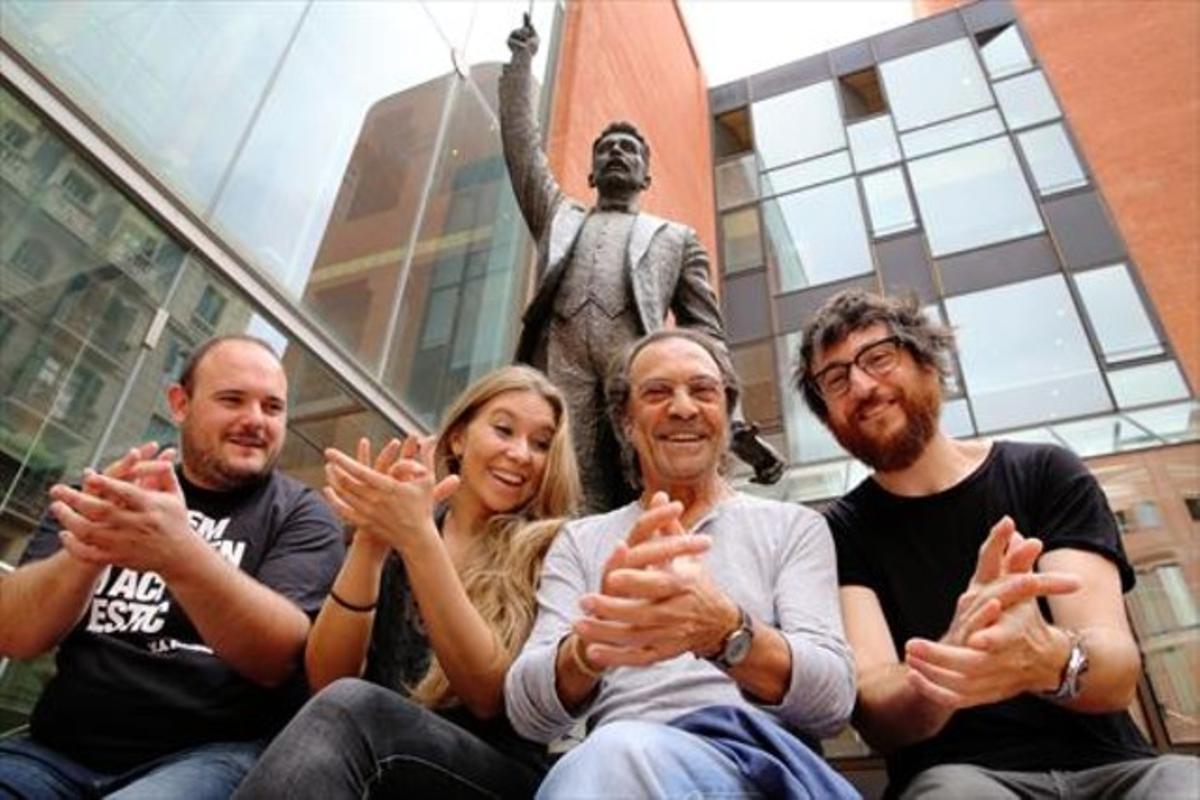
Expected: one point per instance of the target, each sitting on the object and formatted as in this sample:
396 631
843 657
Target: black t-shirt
918 554
136 681
399 653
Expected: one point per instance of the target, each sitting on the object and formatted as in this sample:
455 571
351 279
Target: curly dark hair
929 342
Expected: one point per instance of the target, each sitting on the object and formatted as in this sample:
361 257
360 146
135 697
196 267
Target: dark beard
206 466
901 450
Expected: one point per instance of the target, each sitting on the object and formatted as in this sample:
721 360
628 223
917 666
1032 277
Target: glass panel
737 182
973 196
798 124
465 287
1033 436
742 244
873 143
755 367
1152 383
799 176
1026 367
1117 314
1026 100
956 419
1051 159
493 20
731 133
816 236
1003 51
176 83
808 438
955 132
1174 423
887 201
935 84
1103 435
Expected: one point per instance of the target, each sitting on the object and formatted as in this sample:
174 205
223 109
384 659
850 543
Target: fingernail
587 603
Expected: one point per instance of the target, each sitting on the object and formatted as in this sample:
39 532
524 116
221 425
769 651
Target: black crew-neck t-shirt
136 681
918 554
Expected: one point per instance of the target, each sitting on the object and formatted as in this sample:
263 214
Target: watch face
738 647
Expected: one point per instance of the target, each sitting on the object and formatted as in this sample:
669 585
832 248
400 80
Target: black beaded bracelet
351 606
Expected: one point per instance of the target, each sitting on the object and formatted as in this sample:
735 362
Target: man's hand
139 522
524 39
657 598
393 502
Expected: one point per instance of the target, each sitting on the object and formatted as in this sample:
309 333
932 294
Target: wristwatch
1077 664
737 644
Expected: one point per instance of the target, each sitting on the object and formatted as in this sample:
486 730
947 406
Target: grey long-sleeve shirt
775 559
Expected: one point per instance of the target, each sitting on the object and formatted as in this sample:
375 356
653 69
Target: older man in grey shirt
693 600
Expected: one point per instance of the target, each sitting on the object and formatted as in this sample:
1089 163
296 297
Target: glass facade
347 153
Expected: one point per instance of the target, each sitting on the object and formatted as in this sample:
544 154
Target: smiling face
502 451
618 165
885 421
233 423
677 418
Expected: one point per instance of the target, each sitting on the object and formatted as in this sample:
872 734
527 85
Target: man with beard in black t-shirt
989 664
179 599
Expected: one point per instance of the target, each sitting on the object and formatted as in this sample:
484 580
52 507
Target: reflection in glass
973 196
799 124
1024 355
1026 100
887 202
731 133
1117 314
798 176
737 182
873 143
755 367
741 243
1003 51
1051 159
955 132
935 84
1102 435
1151 383
1163 609
816 236
808 438
1174 423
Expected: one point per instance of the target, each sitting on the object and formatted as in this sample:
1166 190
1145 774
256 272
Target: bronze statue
607 275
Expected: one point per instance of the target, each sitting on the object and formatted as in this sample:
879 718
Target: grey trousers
1163 778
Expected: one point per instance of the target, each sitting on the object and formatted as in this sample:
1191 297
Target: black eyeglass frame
814 379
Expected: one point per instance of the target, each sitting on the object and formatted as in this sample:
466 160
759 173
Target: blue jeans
356 739
210 772
630 759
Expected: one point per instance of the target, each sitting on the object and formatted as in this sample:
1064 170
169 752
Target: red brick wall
1128 75
634 61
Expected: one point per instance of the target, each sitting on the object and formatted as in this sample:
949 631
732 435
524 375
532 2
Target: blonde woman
433 602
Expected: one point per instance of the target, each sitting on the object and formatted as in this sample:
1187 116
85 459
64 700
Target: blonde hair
501 572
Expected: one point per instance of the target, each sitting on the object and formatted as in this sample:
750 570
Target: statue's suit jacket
666 265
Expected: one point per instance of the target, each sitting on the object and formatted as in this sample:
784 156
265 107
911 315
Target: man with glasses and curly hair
981 583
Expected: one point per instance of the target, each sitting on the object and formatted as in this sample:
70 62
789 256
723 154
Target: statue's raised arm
533 183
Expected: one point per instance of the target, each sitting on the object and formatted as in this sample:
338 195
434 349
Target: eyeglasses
876 359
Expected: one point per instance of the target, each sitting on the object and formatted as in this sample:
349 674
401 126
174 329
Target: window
78 189
797 125
75 402
955 132
817 236
742 245
1051 159
208 310
861 96
1117 314
737 182
1003 51
33 258
973 196
15 135
808 438
956 419
731 133
887 201
755 366
160 429
1024 355
1151 383
1026 100
799 176
935 84
873 143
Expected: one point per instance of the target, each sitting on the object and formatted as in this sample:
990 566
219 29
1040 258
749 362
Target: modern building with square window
328 175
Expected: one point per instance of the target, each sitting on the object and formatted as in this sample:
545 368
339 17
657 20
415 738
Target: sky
737 38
